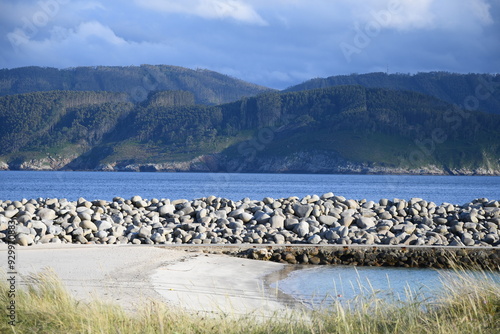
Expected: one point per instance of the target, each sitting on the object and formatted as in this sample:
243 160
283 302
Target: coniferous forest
163 118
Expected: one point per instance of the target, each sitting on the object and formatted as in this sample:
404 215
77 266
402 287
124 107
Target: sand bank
132 275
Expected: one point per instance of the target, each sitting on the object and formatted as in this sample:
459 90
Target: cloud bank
274 43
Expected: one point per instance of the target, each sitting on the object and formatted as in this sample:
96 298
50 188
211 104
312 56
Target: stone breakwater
387 256
316 220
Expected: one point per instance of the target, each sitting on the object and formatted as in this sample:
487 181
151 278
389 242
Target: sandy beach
133 275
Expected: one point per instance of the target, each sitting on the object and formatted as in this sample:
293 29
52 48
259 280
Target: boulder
365 222
103 225
24 239
302 210
277 222
87 224
327 220
302 229
314 239
46 213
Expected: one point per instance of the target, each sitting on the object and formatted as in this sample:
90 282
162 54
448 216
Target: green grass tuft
468 304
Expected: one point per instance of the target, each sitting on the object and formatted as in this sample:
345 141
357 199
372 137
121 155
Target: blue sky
276 43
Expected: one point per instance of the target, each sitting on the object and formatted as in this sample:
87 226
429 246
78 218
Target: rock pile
387 256
317 220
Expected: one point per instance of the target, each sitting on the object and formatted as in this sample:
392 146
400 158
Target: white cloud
481 10
90 5
423 14
300 40
210 9
94 29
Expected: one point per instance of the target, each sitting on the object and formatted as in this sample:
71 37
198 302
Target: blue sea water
15 185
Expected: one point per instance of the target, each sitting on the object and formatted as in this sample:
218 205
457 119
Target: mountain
469 91
342 129
137 82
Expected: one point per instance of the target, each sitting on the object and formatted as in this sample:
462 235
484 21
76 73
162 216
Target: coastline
134 275
221 284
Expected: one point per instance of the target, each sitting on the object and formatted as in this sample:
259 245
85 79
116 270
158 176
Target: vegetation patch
468 304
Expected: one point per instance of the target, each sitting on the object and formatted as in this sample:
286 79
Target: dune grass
468 304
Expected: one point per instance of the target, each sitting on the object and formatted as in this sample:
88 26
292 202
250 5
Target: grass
468 304
138 152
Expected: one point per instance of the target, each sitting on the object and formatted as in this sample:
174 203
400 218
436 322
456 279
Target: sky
275 43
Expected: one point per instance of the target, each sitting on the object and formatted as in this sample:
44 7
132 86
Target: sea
312 286
16 185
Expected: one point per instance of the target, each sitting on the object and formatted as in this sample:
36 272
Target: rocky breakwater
316 220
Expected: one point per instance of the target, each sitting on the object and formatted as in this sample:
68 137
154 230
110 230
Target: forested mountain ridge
330 130
137 82
469 91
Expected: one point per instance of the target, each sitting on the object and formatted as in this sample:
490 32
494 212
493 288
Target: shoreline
130 276
395 172
207 280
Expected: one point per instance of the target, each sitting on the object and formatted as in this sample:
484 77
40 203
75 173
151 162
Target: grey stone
22 229
327 196
279 239
383 202
24 239
327 220
290 223
314 239
331 235
23 219
101 234
10 213
261 217
77 231
84 216
352 204
246 217
302 229
87 224
187 211
55 230
277 222
468 241
48 214
166 209
302 210
39 227
158 238
103 225
45 239
440 220
236 225
385 215
365 222
346 221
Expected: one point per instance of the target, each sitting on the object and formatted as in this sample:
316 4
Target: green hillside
339 129
470 91
137 82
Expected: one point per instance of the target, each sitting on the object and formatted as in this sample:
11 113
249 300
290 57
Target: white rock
24 239
314 239
365 222
277 222
87 224
10 213
327 220
47 214
103 225
302 229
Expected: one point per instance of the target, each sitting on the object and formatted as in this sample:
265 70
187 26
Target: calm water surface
16 185
320 286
